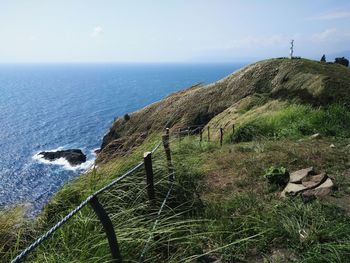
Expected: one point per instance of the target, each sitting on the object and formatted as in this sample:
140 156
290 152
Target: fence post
208 134
165 139
200 135
233 129
147 160
221 135
108 228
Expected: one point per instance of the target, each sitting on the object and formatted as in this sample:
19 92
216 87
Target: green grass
249 222
221 207
295 121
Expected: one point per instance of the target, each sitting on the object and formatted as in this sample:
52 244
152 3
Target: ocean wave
63 162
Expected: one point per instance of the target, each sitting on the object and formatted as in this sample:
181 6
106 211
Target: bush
246 133
342 61
277 175
126 117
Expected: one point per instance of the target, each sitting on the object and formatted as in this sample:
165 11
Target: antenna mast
291 49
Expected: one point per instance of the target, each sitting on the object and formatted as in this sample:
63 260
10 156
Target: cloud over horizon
97 31
332 15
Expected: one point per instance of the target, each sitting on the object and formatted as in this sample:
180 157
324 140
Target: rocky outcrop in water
73 156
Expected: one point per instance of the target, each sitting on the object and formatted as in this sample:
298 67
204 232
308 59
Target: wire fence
100 210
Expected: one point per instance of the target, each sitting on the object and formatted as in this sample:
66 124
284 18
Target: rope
145 248
156 147
45 236
41 239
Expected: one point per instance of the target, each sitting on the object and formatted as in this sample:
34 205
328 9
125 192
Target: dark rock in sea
73 156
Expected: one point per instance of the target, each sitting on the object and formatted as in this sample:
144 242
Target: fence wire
45 236
171 180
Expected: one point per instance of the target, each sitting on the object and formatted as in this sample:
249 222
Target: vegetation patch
295 121
277 175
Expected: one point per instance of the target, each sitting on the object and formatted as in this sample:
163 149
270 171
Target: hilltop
299 80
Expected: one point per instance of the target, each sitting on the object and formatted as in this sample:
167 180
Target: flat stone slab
320 191
309 184
312 181
292 189
299 175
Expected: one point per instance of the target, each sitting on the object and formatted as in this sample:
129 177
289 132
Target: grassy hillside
300 80
222 209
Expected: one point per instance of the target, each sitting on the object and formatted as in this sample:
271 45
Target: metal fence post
108 228
147 159
221 135
208 134
165 139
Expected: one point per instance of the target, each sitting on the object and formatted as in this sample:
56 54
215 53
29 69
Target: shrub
277 175
342 61
126 117
246 133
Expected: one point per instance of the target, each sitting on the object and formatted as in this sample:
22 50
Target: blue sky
170 31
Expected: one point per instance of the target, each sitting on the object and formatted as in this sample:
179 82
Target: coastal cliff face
300 80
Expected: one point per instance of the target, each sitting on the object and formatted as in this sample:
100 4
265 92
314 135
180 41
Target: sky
170 31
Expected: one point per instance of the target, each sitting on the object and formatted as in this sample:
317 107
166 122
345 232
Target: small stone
299 175
332 145
316 136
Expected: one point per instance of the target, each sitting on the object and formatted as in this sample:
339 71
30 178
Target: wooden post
233 129
147 160
200 135
208 134
221 136
165 139
108 228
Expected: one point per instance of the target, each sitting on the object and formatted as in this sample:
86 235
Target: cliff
299 80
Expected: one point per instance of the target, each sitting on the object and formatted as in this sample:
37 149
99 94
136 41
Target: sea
46 107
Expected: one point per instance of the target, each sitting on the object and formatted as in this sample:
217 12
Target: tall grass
82 238
245 225
295 121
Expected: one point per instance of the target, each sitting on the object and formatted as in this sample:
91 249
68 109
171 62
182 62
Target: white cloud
339 14
325 35
97 31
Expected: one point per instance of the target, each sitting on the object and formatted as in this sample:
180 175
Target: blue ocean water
50 106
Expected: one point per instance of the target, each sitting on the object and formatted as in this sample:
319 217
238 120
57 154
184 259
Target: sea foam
63 162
